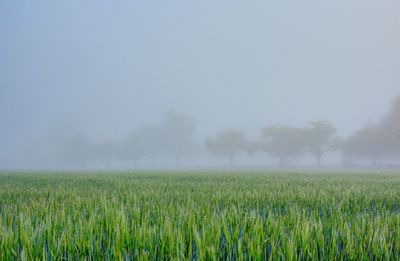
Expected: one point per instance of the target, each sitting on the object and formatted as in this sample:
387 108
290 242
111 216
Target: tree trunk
282 161
108 164
134 163
178 160
319 160
374 158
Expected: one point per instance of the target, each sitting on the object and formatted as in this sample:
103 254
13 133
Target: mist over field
200 130
171 84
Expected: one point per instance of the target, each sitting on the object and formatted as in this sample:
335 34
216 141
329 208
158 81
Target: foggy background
96 72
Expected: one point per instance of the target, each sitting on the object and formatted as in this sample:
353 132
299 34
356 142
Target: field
199 215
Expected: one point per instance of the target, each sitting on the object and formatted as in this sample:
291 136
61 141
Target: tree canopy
285 143
319 138
227 144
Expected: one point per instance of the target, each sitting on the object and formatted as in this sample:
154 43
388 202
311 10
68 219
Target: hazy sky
106 67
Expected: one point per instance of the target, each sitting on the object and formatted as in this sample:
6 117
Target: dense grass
165 215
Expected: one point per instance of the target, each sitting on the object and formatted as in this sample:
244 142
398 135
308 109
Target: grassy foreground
199 215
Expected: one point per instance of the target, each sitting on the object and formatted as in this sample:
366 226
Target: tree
106 152
377 141
368 143
148 141
227 144
285 143
319 138
76 150
131 149
178 135
391 127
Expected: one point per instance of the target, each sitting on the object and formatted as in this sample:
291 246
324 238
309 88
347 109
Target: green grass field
199 215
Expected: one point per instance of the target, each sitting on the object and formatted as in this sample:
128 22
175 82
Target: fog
94 74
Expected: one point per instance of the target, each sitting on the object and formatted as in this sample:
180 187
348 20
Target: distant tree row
282 142
375 142
174 137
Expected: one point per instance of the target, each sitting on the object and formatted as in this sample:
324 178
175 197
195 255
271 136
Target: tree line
282 142
174 137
